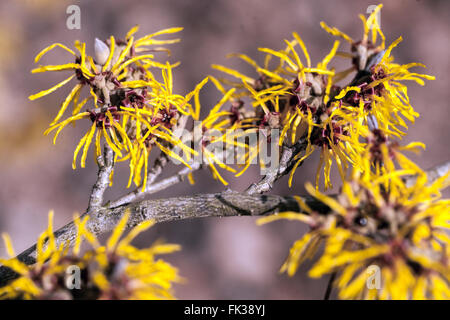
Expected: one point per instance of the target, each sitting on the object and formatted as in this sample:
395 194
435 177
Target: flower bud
101 51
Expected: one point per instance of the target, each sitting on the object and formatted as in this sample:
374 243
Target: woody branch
224 204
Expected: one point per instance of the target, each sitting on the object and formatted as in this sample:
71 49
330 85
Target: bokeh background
228 258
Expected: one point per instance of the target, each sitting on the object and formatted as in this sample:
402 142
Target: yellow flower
367 47
384 239
116 67
377 84
153 121
131 110
222 135
137 274
382 94
311 109
116 270
296 97
36 280
390 99
289 88
381 154
337 133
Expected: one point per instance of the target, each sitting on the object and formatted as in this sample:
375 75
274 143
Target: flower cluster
127 105
117 270
385 235
134 112
378 223
310 106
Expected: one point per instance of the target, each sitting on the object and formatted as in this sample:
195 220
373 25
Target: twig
433 173
329 286
105 165
155 187
225 204
153 173
287 161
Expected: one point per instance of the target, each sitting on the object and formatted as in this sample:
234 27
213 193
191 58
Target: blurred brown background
228 258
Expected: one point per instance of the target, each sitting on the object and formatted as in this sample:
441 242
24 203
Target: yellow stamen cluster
313 108
131 109
295 92
117 270
378 222
386 234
